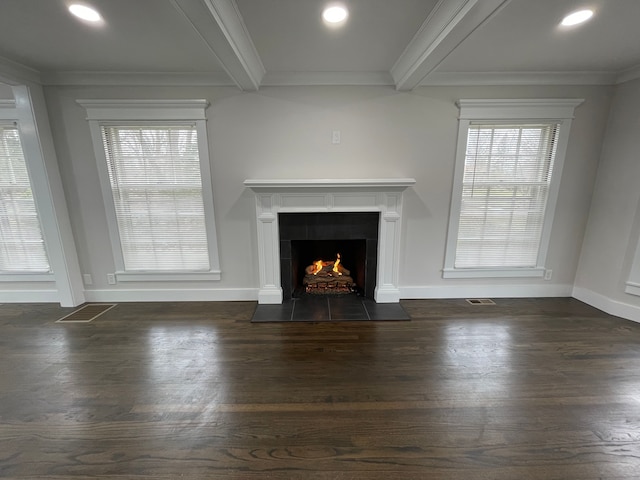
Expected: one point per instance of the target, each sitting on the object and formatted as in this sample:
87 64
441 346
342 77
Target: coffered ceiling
254 43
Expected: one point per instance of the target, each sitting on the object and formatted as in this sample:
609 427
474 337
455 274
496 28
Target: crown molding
222 29
450 22
628 74
14 73
147 79
518 78
278 79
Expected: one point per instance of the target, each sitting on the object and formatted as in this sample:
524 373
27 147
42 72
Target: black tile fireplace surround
305 234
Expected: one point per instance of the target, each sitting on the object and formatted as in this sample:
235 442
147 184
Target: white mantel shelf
383 195
357 183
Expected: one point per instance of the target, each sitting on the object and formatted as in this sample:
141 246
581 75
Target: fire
335 265
328 277
318 266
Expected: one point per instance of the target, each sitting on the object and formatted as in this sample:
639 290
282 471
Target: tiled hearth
323 308
275 196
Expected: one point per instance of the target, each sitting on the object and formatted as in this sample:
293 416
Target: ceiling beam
450 22
220 26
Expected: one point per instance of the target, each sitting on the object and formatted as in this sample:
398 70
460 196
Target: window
505 188
154 175
22 248
157 190
508 167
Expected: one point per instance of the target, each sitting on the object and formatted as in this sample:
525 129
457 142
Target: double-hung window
154 167
22 247
508 166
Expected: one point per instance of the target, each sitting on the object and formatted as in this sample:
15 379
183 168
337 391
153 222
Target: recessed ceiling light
85 13
335 14
577 17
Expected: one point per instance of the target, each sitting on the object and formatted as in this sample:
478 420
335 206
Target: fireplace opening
308 238
329 267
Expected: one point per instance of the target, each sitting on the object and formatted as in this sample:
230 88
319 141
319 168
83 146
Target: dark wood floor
527 389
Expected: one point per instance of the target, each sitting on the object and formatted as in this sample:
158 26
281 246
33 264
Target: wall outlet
335 137
111 278
87 279
548 274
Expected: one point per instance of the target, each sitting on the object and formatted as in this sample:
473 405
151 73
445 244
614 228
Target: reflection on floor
326 308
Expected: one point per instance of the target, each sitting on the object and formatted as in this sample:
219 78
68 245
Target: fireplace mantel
382 195
339 183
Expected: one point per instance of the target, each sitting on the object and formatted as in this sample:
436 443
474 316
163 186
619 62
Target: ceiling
255 43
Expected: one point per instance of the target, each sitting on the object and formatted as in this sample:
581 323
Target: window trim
507 110
141 112
9 114
632 285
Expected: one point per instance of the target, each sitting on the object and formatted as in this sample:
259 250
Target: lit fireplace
328 277
328 253
374 267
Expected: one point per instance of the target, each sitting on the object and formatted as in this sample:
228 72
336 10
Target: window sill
167 276
492 272
27 277
632 288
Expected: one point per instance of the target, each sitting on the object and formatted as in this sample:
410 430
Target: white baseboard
486 291
606 304
270 296
387 295
29 296
172 295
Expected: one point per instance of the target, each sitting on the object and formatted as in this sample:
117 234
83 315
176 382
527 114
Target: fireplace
328 253
281 206
328 277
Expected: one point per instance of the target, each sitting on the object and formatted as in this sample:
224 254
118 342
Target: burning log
323 269
323 277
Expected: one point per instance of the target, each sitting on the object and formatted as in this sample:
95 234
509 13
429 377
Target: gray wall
285 132
614 223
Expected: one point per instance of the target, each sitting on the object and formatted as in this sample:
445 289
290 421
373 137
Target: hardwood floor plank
526 389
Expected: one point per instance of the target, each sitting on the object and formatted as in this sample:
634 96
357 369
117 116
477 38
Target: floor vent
480 301
87 313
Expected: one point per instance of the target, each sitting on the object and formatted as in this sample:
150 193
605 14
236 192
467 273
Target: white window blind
22 246
507 175
155 178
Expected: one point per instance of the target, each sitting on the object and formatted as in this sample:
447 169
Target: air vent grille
87 313
480 301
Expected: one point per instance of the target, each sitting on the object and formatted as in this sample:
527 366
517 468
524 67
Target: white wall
285 132
611 238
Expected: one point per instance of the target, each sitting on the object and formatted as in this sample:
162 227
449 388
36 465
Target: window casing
22 247
633 283
156 184
508 167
